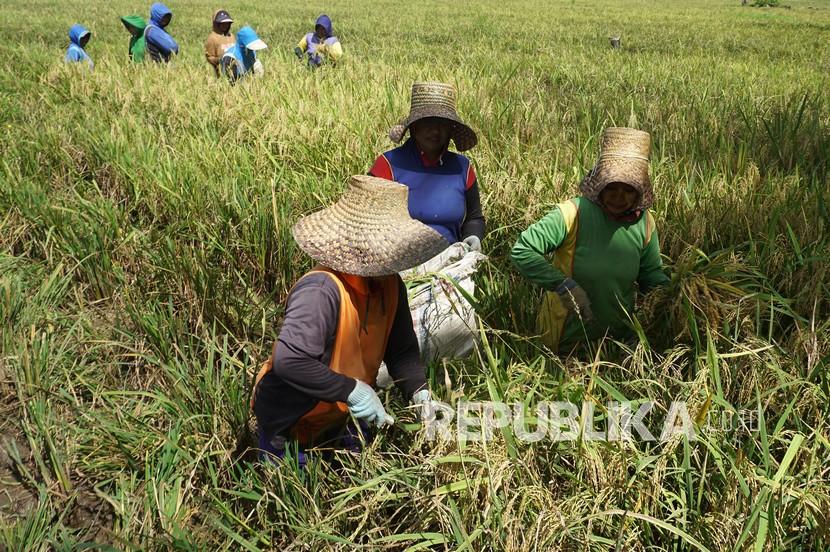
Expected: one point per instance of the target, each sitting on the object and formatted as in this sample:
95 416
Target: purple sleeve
303 348
403 357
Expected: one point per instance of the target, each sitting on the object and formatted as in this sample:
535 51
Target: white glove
422 396
422 400
259 70
365 404
473 243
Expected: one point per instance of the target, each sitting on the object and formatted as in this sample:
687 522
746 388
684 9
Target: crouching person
321 46
241 58
159 45
342 319
135 25
604 245
78 39
219 39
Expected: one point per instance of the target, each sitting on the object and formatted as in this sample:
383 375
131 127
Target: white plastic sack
444 320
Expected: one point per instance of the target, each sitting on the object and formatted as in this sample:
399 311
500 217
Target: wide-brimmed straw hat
368 232
624 157
436 99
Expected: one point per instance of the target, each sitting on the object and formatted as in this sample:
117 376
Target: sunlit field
145 256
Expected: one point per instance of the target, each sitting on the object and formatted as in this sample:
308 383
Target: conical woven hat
368 232
436 99
624 157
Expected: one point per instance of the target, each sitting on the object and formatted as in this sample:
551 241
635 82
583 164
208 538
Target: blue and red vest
437 193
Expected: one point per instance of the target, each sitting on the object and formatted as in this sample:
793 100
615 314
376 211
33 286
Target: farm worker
219 40
135 25
78 38
240 59
321 45
160 45
342 319
443 194
443 189
602 242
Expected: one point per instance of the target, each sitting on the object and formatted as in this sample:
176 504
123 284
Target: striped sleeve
471 176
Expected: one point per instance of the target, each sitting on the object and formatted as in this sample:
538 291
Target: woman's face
432 134
618 198
223 28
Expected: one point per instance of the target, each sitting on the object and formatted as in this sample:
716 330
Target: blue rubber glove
364 404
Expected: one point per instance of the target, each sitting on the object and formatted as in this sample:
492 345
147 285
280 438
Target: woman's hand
575 299
364 404
473 243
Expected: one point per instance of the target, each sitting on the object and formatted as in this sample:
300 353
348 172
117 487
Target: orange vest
365 322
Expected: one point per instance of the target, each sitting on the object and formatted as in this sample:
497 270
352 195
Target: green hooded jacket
135 24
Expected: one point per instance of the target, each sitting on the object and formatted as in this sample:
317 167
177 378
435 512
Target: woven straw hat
435 99
623 157
368 232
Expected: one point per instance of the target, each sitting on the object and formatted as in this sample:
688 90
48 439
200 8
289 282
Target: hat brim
364 244
633 172
257 44
225 20
463 136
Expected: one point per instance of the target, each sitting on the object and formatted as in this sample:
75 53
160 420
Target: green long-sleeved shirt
608 257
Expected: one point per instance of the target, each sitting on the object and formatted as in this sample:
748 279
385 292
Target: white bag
444 320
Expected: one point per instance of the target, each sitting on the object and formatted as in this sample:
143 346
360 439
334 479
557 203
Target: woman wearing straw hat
443 190
344 318
602 243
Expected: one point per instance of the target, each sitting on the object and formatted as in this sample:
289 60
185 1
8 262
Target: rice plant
145 255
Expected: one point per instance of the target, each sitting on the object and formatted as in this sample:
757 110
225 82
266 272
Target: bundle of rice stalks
719 293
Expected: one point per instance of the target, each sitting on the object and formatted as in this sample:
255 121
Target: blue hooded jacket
239 53
75 53
160 45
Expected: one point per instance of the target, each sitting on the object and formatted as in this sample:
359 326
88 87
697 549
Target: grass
145 254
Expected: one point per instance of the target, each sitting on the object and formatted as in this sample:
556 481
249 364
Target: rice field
145 255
